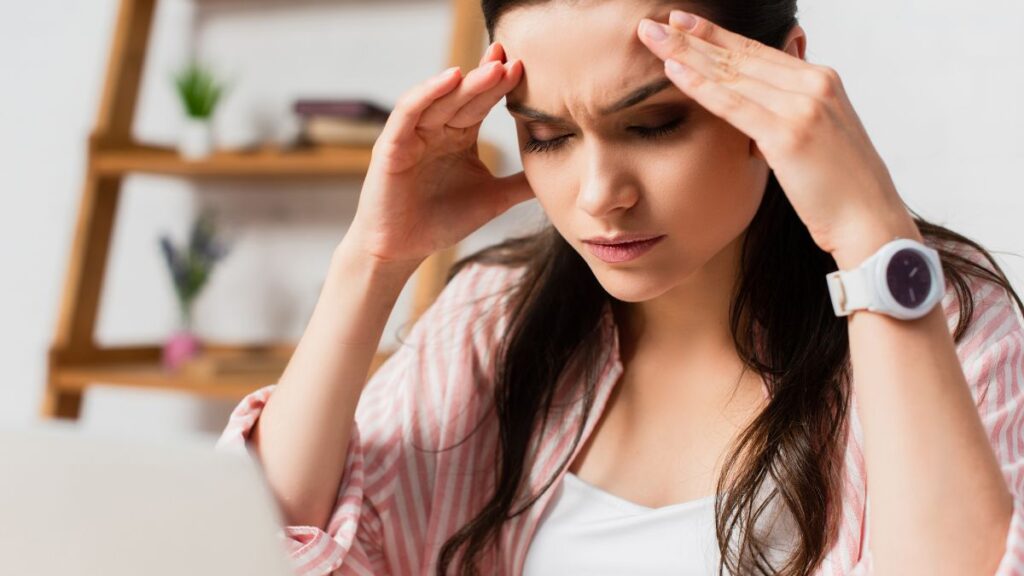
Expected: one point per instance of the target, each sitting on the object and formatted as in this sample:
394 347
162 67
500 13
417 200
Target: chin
629 285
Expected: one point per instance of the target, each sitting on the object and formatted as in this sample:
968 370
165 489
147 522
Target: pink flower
179 348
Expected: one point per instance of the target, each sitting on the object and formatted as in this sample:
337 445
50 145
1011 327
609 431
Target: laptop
90 504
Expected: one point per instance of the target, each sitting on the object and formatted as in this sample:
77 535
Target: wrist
869 238
353 262
353 250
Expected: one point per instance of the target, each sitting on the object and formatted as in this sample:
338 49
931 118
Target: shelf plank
143 375
152 376
312 161
306 161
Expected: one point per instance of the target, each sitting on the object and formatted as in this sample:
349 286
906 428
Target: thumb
514 189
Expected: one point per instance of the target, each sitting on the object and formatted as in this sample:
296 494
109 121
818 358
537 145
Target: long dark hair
783 327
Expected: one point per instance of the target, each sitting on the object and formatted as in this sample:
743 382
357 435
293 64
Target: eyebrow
631 99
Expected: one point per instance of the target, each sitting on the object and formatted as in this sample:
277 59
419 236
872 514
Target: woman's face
663 165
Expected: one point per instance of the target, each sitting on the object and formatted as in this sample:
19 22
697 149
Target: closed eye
648 133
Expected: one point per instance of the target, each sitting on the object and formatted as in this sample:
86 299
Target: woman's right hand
426 188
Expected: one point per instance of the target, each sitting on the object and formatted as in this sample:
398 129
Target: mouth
622 251
621 238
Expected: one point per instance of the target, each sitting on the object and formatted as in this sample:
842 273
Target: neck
678 348
690 321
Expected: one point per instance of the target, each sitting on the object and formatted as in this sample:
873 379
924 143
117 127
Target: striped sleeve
381 445
994 367
350 537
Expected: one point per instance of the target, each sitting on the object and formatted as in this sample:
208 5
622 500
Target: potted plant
199 92
190 268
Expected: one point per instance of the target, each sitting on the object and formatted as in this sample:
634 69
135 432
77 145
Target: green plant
199 90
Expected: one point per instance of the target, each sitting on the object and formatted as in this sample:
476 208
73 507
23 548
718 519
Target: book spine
345 109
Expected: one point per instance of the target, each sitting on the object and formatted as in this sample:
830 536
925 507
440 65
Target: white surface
932 81
101 505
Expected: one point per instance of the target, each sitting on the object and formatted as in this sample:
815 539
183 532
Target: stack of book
341 122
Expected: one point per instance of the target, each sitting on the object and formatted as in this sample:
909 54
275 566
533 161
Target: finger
401 123
783 102
718 62
476 82
493 52
515 189
745 114
707 30
486 55
474 111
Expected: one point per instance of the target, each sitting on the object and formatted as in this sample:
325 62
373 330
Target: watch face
908 277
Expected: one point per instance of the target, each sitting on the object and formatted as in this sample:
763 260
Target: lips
621 239
623 251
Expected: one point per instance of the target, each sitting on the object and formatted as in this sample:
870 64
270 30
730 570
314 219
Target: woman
687 402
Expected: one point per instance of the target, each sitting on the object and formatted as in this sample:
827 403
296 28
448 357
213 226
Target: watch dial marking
903 279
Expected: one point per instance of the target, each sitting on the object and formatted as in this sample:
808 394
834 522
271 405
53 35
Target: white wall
934 82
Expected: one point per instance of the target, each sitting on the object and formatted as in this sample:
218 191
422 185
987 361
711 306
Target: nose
606 185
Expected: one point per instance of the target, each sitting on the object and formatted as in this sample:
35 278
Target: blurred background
938 84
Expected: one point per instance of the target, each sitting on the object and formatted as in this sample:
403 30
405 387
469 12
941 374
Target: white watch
902 279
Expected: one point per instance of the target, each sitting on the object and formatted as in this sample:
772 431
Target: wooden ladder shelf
75 362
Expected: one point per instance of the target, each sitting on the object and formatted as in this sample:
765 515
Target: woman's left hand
803 125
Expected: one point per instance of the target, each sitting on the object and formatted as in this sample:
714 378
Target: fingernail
654 30
674 66
682 19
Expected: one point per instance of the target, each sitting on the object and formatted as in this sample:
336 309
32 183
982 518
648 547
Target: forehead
579 56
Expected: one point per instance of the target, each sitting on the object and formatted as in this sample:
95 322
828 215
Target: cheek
549 184
711 178
559 207
700 191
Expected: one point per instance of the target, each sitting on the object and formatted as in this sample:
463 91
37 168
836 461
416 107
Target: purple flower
190 270
175 263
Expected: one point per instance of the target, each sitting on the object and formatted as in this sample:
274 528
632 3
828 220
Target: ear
796 42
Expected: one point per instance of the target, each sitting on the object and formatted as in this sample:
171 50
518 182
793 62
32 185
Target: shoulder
473 307
449 351
478 281
992 342
440 377
976 298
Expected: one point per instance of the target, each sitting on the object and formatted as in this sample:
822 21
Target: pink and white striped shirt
398 504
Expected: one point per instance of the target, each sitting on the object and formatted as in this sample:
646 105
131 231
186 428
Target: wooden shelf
307 161
74 361
151 375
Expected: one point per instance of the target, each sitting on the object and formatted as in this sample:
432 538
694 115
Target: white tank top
586 530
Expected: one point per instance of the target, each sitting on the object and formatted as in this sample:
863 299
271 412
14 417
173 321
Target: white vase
196 139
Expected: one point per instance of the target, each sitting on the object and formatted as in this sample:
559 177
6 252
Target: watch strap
850 290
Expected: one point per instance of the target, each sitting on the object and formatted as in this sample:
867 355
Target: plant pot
196 139
180 347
